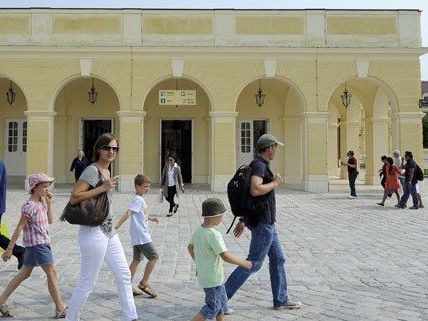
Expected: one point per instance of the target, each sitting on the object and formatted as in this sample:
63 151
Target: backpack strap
233 222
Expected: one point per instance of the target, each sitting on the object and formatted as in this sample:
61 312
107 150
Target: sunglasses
108 148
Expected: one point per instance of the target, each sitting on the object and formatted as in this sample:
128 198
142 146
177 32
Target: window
24 136
245 137
12 137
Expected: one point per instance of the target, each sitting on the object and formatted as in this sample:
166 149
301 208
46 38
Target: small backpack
419 175
242 203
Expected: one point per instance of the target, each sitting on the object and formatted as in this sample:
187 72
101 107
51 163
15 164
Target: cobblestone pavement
346 260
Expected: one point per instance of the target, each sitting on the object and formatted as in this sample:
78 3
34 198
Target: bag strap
233 222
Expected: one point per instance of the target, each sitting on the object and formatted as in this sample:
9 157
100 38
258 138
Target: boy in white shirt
140 234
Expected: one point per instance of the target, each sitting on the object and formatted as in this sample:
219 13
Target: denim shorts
216 302
38 255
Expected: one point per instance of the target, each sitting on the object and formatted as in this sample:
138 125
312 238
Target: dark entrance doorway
176 138
92 129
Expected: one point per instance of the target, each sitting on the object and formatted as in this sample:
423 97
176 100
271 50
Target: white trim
85 67
363 68
177 67
270 67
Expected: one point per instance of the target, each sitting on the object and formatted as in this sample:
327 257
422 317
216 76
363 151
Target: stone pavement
346 260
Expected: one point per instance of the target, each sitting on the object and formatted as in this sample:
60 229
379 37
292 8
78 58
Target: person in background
79 164
171 179
409 187
17 251
351 164
391 184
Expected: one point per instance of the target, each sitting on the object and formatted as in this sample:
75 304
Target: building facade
301 60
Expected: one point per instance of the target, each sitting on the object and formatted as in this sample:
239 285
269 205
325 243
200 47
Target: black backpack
238 192
419 175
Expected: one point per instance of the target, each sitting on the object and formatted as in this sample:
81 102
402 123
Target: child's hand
248 265
7 255
48 198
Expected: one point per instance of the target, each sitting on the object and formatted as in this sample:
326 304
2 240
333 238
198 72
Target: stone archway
365 126
13 131
78 122
282 115
182 129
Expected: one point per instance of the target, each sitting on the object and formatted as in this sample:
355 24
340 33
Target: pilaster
131 142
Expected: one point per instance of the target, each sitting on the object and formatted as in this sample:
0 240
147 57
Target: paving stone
346 260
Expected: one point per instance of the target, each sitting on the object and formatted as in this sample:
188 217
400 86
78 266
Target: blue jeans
352 178
264 241
407 190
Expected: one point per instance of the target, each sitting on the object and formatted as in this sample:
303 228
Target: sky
242 4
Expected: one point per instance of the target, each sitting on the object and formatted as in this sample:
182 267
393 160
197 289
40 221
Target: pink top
36 230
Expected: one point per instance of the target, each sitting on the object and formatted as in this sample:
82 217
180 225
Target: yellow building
186 80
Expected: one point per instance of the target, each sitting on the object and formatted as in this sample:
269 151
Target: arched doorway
280 115
366 126
78 122
13 130
182 129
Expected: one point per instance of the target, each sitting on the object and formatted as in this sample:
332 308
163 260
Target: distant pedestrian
140 234
171 182
79 164
351 165
17 251
100 244
208 250
36 215
409 187
392 184
399 162
383 171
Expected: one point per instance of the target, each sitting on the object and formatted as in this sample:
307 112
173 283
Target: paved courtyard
346 260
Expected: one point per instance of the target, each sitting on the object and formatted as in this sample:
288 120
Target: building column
377 144
40 142
223 142
293 175
131 142
332 161
410 135
315 171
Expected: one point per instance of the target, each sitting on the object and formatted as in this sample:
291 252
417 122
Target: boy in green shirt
207 249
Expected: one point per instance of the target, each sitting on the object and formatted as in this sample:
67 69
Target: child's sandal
60 314
4 310
148 290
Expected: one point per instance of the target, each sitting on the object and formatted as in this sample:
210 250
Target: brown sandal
136 292
148 290
4 310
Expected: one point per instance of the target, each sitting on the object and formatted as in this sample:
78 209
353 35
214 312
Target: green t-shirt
208 244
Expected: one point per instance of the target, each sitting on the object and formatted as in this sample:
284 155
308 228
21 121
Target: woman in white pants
100 243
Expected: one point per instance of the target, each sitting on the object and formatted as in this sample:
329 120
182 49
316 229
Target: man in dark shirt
79 164
351 164
409 186
264 236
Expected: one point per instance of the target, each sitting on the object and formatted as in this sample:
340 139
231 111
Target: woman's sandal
136 292
148 290
4 310
60 314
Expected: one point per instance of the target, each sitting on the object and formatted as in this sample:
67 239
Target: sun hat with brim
268 140
213 207
37 178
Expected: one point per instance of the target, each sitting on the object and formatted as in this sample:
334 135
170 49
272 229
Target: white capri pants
96 247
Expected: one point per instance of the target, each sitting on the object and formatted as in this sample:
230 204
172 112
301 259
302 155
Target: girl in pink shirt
36 215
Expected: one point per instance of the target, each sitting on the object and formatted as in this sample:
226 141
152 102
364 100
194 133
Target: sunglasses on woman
108 148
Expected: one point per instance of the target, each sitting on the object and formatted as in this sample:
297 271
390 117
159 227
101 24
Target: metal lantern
260 97
92 94
10 95
346 98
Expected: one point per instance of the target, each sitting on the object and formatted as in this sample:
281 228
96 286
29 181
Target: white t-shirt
171 180
139 224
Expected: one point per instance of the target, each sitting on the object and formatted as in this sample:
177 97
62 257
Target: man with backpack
411 176
261 223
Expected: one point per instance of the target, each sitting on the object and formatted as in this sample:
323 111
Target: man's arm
257 188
